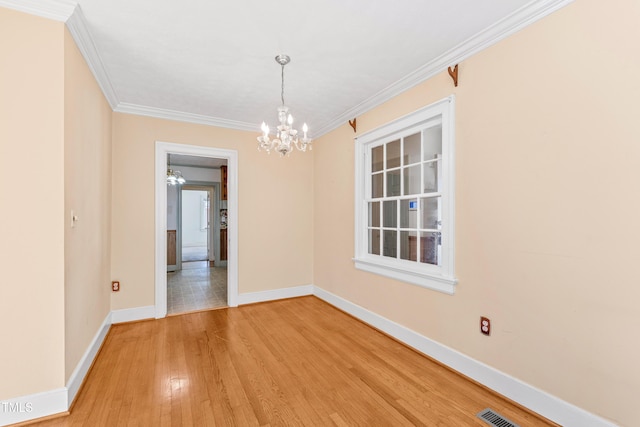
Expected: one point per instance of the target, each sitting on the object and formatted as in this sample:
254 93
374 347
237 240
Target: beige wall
547 208
87 181
275 208
31 138
548 162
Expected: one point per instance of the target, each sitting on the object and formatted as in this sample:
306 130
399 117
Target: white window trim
440 278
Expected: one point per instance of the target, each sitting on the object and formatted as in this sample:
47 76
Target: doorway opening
196 255
199 280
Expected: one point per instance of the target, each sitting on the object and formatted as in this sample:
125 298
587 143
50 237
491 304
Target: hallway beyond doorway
196 287
194 253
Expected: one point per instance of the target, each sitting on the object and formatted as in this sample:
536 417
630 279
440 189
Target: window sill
433 281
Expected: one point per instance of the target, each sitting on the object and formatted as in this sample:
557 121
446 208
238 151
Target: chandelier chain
282 86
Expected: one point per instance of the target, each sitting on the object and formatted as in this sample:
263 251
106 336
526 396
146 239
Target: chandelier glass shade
286 137
174 177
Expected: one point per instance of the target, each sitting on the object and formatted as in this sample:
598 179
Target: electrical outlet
485 325
115 286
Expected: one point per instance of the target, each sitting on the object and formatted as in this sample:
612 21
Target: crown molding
521 18
77 25
526 15
69 11
181 116
59 10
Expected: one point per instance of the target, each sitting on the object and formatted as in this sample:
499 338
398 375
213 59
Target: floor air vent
494 419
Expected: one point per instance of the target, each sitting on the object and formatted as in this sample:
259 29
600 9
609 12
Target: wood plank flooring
291 362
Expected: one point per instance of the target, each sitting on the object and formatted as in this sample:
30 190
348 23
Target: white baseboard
275 294
78 375
57 401
38 405
543 403
133 314
194 245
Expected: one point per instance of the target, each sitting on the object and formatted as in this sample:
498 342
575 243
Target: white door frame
161 152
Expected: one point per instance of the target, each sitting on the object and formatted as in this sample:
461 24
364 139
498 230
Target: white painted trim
133 314
275 294
79 30
62 10
439 278
182 116
162 149
58 401
58 10
69 11
77 377
434 281
521 18
33 406
543 403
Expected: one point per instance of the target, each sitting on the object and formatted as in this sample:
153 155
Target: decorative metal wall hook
454 75
352 123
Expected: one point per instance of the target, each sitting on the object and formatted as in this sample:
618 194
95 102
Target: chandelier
174 177
286 136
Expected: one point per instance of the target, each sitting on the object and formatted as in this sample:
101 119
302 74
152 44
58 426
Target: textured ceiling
212 61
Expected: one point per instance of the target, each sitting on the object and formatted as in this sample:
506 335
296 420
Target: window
405 198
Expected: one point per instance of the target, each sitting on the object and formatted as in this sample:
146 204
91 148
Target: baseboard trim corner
33 406
82 368
133 314
275 294
530 397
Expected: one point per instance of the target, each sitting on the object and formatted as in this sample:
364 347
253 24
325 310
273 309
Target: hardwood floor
289 362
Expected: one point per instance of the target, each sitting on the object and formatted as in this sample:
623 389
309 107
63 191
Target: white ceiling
213 62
